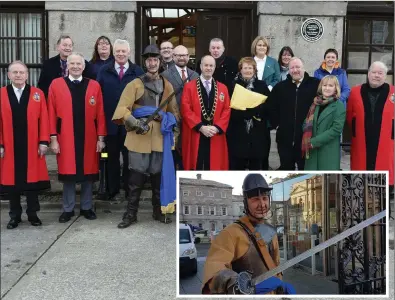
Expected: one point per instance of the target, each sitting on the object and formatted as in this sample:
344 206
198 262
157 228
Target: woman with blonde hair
323 126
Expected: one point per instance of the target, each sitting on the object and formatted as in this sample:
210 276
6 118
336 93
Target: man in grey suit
178 74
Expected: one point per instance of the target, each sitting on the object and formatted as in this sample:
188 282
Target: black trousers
33 206
115 146
289 156
241 164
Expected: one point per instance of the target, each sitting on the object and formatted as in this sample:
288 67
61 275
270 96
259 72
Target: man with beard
149 144
78 128
205 110
226 66
249 244
290 101
370 115
56 66
178 75
24 139
166 52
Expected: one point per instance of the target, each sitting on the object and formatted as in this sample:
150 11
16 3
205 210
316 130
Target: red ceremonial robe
23 126
76 116
191 113
371 148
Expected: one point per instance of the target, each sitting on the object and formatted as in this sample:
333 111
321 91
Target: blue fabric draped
168 176
273 283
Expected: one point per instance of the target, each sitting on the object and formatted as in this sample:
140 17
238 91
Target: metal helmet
151 51
254 184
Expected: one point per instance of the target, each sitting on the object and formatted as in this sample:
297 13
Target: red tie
121 72
183 77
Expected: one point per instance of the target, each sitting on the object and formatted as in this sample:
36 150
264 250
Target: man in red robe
370 115
77 127
24 139
205 111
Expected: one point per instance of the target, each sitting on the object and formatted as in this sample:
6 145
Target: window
224 211
212 225
185 193
212 210
223 195
211 194
368 39
200 210
200 225
186 210
199 193
22 37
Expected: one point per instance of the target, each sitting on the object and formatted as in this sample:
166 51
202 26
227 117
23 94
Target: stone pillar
280 23
86 21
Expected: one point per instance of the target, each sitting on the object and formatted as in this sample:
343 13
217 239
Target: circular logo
312 30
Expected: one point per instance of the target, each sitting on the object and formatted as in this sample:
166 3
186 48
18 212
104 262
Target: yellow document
243 98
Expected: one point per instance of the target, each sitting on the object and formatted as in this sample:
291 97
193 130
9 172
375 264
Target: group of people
164 116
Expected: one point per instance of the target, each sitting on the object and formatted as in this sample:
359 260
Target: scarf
249 85
308 123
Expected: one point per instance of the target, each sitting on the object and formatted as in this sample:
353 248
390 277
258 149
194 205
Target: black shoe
88 214
66 216
127 220
35 221
13 223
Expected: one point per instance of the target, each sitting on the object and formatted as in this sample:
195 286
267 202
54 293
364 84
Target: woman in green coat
323 127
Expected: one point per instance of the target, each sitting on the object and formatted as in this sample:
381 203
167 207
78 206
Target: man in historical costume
149 141
78 128
226 67
56 66
205 110
24 139
290 101
370 115
249 244
178 75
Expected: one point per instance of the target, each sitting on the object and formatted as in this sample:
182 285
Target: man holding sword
149 111
24 139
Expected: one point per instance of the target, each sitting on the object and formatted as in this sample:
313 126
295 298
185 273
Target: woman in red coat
205 111
370 115
24 138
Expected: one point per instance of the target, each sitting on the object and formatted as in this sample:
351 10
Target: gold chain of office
204 112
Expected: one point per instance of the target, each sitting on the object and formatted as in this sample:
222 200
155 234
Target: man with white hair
77 128
113 78
370 115
24 139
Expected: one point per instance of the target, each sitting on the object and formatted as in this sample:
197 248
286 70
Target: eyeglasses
103 43
166 48
181 55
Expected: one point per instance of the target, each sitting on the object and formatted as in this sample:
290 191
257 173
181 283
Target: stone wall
86 21
281 22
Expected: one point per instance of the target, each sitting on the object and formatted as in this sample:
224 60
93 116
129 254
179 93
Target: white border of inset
183 296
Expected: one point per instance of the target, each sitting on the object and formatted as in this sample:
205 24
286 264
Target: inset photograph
283 233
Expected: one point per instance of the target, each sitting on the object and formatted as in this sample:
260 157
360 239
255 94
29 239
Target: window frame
215 211
185 193
189 210
223 195
197 210
200 194
222 211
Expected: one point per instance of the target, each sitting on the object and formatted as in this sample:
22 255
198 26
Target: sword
161 105
246 284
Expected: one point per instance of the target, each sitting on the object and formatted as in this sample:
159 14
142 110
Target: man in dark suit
56 66
226 67
178 74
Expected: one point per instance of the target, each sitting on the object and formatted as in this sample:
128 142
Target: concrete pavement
87 260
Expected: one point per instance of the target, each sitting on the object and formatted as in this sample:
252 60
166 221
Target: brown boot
135 186
156 205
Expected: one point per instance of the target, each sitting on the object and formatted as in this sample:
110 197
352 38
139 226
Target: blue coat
99 63
271 73
341 76
112 89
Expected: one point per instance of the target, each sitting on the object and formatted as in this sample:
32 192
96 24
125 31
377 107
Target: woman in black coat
248 134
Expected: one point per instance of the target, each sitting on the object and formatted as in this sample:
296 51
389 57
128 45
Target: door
234 27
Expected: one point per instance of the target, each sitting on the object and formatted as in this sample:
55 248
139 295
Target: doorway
194 24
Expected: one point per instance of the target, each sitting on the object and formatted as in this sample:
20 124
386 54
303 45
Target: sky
233 178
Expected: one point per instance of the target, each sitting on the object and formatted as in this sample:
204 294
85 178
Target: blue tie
76 81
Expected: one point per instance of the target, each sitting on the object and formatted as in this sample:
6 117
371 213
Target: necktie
63 64
121 73
76 81
207 87
183 77
19 94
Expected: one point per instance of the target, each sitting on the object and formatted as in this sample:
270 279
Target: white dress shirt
18 92
204 82
179 70
72 78
260 66
300 81
118 67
